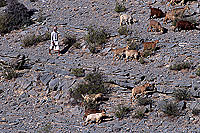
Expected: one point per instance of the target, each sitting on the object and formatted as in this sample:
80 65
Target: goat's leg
125 60
113 57
151 29
170 2
148 28
182 2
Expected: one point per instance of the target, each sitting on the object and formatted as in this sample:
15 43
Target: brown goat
157 13
92 111
149 45
179 11
170 16
140 89
184 25
176 13
119 51
156 25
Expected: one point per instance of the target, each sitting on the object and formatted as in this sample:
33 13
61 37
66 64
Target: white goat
126 18
94 118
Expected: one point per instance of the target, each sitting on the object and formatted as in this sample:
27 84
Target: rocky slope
28 103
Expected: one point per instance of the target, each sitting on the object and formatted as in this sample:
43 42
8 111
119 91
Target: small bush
139 112
196 111
46 37
198 71
170 108
78 72
16 16
69 40
95 37
147 53
94 84
142 101
119 7
123 30
40 16
182 94
141 60
77 45
121 111
133 43
180 66
2 3
9 73
47 128
31 40
91 105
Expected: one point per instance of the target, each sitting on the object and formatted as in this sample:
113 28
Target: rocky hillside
38 98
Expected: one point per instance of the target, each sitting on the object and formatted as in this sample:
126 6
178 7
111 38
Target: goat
131 53
149 45
127 18
170 16
176 13
94 118
174 2
184 25
156 12
92 97
156 25
92 111
140 89
119 51
180 11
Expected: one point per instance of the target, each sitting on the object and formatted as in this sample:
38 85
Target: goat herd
176 15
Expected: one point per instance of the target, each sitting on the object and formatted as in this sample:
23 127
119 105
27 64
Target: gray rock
26 84
33 93
45 78
106 50
54 83
57 96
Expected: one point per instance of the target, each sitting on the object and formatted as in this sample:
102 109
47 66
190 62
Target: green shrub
69 40
92 48
46 37
78 72
16 16
147 53
121 111
170 108
119 7
141 60
198 71
40 16
91 105
77 45
94 83
180 66
9 73
2 3
123 30
196 111
182 94
144 101
139 112
31 40
95 37
47 128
